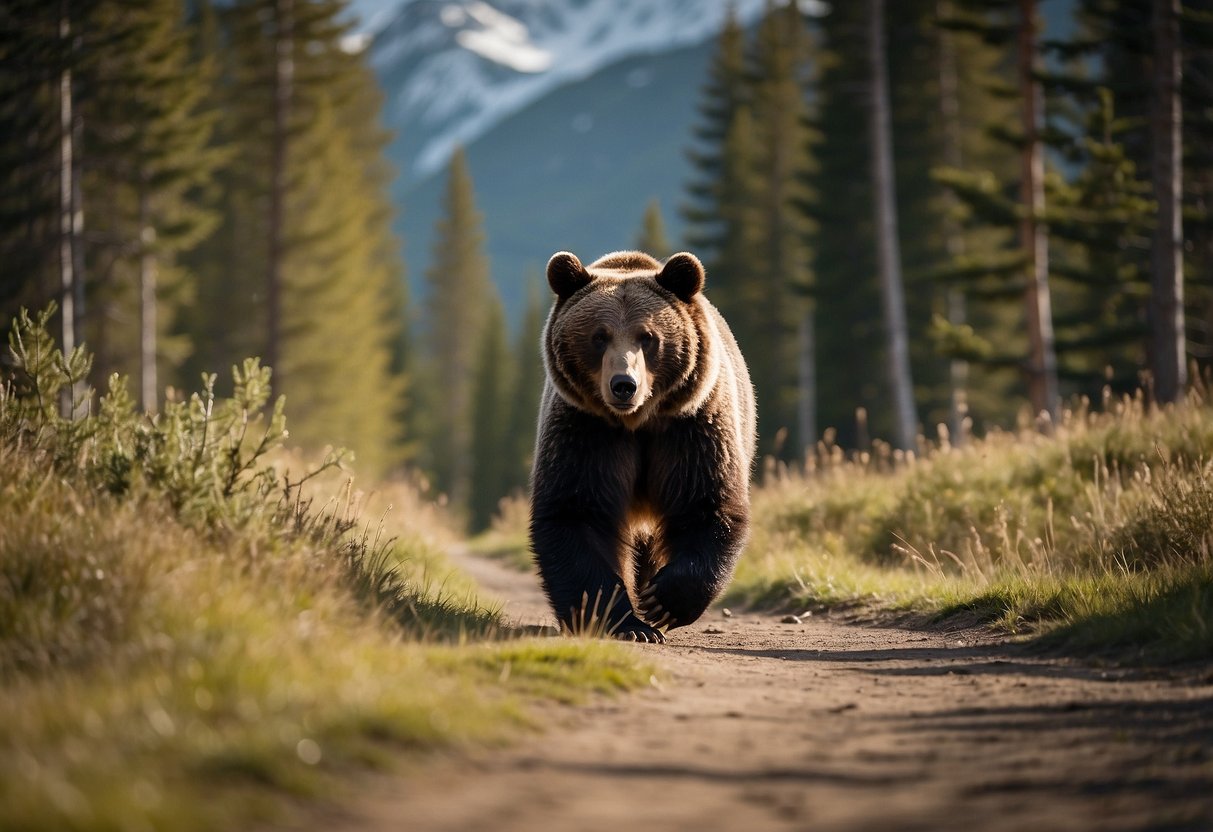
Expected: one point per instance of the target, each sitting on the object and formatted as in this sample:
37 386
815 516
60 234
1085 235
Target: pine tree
282 59
458 285
161 163
148 131
1114 49
379 267
767 325
1168 359
1196 95
1041 365
129 144
492 382
730 263
652 238
336 294
721 209
29 124
724 211
384 262
71 212
226 321
723 95
746 211
935 238
340 358
847 298
930 116
1024 268
952 155
44 46
527 389
1099 224
888 246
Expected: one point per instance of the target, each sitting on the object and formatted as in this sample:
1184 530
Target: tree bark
887 245
282 85
1167 354
1042 355
806 377
954 242
68 222
78 275
149 394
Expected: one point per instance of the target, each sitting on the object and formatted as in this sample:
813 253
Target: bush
204 463
206 457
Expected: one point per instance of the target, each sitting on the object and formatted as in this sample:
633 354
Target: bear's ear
683 275
566 274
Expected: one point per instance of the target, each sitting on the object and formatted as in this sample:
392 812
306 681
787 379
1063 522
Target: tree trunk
1167 353
954 242
282 84
1042 355
149 394
68 215
806 401
887 245
78 276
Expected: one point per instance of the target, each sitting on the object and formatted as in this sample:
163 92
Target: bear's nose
623 387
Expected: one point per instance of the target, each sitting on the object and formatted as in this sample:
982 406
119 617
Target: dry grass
1076 532
187 638
1096 531
507 539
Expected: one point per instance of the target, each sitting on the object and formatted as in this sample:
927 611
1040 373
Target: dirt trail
760 725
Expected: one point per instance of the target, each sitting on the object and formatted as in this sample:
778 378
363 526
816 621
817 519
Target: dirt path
759 725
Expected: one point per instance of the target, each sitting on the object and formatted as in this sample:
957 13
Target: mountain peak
453 69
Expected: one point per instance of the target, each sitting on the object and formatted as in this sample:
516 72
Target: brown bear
640 498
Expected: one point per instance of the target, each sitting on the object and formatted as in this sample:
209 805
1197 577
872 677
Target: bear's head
625 336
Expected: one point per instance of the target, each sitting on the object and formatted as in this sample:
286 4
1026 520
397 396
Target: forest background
915 214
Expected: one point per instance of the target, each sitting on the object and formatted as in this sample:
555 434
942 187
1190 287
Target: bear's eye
647 339
600 339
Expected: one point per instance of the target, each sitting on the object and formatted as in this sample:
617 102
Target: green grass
1095 539
191 638
1158 616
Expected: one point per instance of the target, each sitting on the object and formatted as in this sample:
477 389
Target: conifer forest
913 214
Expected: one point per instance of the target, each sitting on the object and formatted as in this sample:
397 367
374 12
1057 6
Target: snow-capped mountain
574 114
452 69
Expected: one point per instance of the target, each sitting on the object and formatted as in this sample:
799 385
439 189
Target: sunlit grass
188 641
1094 534
405 537
1098 535
507 539
147 670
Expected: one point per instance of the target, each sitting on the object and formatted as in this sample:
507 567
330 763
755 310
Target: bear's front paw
651 610
668 601
633 629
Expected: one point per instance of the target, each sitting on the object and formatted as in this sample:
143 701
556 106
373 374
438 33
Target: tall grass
507 538
1077 529
1093 533
189 632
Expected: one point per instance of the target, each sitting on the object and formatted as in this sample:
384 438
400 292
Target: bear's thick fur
640 498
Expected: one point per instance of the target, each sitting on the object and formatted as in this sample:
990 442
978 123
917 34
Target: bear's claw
652 637
639 631
651 612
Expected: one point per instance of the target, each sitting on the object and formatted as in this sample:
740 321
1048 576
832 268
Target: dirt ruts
754 724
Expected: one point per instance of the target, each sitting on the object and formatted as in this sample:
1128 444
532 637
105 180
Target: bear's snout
623 388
